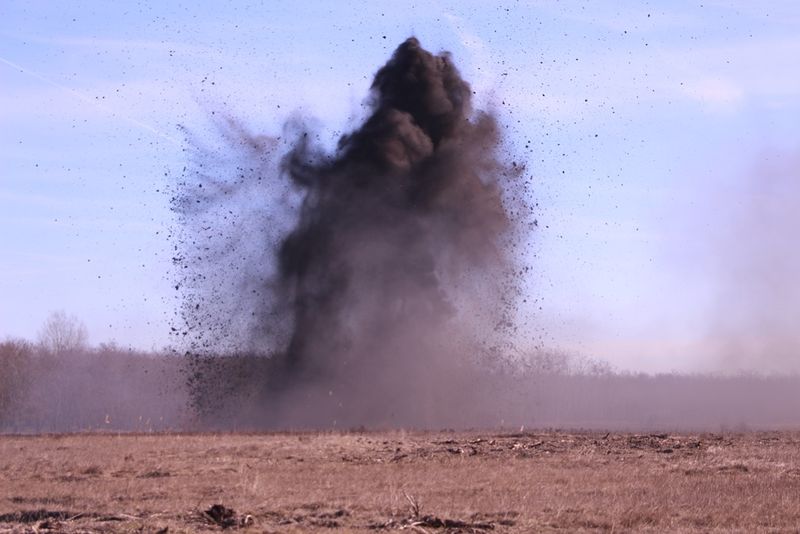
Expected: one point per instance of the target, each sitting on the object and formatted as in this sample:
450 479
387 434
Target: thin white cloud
484 76
87 100
107 43
719 77
716 94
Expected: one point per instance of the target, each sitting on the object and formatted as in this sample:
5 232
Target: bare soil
391 481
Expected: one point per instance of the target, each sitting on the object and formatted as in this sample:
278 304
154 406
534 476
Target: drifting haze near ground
664 142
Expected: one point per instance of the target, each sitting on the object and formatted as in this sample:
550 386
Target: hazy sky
663 138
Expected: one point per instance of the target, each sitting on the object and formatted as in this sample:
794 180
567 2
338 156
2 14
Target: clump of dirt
33 516
227 517
156 473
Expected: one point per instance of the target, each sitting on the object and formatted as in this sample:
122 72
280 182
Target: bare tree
63 333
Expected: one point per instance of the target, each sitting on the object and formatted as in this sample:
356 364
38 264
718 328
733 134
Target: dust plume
756 326
381 278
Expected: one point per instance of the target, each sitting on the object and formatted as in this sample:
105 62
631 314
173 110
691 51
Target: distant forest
108 388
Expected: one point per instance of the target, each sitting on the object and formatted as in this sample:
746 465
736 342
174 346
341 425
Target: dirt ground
391 481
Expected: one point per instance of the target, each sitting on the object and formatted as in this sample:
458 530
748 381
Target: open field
420 482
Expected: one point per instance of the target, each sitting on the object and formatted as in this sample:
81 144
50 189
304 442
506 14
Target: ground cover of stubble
416 481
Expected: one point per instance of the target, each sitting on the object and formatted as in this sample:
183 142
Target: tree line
59 382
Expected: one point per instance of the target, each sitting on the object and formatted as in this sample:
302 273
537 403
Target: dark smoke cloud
380 278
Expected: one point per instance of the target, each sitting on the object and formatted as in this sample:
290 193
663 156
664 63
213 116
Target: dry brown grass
418 482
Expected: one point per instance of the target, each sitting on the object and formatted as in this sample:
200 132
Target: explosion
381 279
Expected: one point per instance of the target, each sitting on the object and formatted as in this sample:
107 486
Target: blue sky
649 127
